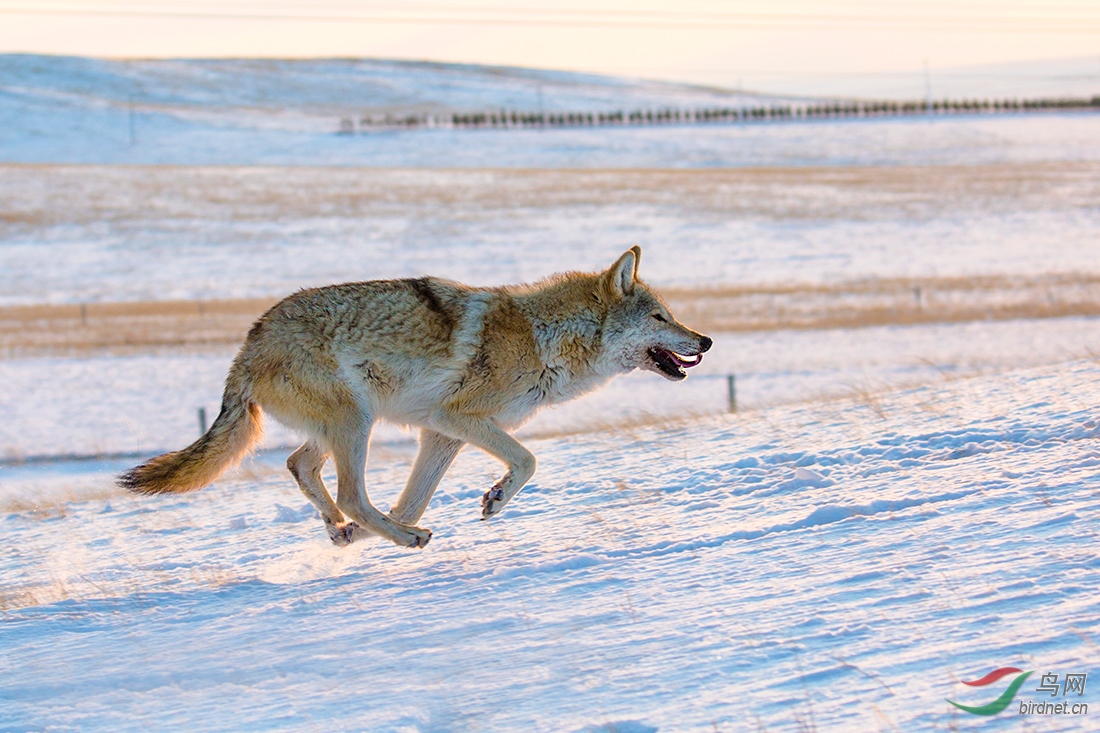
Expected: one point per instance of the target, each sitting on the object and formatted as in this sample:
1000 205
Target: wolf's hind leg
488 436
350 447
305 466
437 452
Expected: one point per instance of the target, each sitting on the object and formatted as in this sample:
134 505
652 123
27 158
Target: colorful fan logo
1001 702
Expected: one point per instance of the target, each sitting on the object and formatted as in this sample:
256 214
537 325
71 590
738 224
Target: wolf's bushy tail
237 428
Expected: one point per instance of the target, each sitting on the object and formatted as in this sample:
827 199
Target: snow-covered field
892 510
71 234
149 402
835 565
248 112
884 141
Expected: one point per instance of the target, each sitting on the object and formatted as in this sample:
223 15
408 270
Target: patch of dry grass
149 326
884 302
125 327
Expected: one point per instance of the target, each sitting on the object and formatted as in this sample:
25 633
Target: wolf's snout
705 344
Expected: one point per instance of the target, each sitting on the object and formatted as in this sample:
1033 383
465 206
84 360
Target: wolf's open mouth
672 364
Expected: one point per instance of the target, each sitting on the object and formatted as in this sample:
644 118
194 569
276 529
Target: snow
334 86
251 111
893 509
826 565
248 112
148 403
94 233
163 140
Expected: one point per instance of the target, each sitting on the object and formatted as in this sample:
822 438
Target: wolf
465 365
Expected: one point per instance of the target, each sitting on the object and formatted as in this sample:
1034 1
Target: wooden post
202 421
732 383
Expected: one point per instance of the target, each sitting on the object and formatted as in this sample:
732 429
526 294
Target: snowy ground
835 565
969 140
893 509
149 402
107 233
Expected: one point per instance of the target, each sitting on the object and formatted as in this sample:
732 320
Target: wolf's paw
415 537
344 534
492 502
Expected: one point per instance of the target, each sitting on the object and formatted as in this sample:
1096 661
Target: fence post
731 381
202 421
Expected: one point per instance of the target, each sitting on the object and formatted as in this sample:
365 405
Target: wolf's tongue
685 363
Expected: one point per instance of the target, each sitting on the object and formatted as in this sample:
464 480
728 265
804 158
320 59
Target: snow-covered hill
249 112
334 86
56 108
835 565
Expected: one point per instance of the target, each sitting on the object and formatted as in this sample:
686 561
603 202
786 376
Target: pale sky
756 44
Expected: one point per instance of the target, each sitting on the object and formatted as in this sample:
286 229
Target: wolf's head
640 331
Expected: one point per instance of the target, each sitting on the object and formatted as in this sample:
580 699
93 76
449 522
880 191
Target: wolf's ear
624 272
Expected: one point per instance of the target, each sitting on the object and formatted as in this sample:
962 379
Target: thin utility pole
927 89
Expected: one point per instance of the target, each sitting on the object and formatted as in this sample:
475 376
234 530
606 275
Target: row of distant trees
514 119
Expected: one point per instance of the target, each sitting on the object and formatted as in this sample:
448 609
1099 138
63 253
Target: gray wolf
463 364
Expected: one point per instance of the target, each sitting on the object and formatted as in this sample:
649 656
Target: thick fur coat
464 364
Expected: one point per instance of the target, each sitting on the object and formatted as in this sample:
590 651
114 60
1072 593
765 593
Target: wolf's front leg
436 454
493 500
488 436
520 471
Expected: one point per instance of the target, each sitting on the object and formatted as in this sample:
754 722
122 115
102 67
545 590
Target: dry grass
887 302
125 327
149 326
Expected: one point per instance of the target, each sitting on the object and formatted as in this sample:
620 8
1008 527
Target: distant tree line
516 119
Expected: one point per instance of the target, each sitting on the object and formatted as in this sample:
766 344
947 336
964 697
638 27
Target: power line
946 73
1047 13
998 7
553 18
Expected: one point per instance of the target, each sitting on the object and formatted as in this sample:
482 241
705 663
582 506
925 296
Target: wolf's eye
660 318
